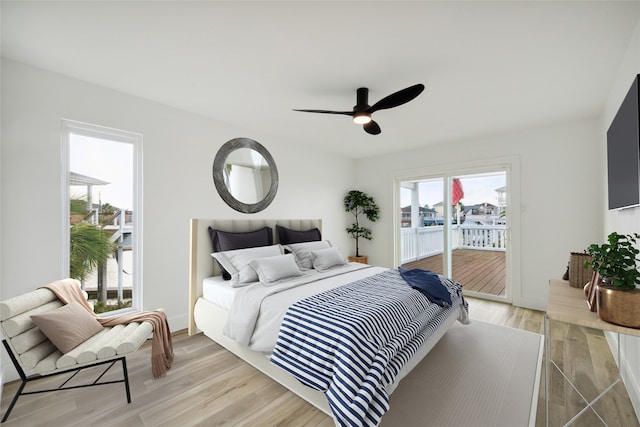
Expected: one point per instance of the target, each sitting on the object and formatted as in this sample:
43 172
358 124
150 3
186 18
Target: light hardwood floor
208 386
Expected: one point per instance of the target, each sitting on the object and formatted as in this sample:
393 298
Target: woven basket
578 275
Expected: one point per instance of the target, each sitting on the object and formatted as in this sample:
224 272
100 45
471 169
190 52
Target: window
102 214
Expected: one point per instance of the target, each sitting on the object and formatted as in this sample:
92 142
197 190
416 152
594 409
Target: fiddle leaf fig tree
360 204
617 260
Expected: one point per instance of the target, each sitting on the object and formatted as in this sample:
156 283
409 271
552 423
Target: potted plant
616 262
360 204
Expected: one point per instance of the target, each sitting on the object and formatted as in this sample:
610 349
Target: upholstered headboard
202 264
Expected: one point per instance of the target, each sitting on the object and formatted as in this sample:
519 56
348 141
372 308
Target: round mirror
245 175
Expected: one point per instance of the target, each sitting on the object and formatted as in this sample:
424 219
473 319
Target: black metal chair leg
13 402
126 379
64 385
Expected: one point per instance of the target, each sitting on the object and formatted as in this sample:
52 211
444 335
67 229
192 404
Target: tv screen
623 152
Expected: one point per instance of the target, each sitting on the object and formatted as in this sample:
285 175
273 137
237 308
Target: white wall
627 220
178 154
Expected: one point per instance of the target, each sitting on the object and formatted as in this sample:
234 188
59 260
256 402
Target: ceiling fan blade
346 113
398 98
372 128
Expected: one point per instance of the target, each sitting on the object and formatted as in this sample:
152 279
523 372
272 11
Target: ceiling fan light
362 118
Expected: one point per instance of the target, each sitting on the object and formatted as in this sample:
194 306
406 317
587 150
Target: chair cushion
67 326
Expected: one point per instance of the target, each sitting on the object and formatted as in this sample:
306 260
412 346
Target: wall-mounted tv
623 152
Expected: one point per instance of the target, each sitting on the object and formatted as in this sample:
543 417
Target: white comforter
258 310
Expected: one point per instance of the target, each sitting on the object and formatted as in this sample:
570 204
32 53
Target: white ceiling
488 67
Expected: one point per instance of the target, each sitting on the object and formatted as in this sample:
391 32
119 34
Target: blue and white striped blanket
352 341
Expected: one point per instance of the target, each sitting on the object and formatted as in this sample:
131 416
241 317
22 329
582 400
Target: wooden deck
478 271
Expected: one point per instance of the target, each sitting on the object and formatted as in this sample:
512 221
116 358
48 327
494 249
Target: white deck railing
484 237
423 242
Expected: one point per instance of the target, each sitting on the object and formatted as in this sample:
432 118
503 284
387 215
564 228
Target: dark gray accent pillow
289 236
227 241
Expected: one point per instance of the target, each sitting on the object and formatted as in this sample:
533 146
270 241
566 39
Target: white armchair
31 350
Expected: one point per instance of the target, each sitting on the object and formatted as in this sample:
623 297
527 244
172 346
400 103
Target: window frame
69 127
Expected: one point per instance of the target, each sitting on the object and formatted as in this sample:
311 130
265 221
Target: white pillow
273 269
236 262
302 252
324 259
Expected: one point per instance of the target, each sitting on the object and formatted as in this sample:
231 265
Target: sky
105 160
477 189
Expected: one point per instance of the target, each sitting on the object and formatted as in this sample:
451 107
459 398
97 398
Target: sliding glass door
464 238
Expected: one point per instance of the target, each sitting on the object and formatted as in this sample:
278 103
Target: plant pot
619 307
363 259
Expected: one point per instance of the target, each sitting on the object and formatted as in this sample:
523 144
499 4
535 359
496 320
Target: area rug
477 375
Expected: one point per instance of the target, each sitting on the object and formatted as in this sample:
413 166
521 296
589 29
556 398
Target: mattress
218 291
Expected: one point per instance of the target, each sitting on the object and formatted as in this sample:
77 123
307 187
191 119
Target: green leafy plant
358 204
616 260
90 247
78 206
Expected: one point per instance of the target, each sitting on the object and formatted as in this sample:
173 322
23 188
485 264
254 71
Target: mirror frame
218 178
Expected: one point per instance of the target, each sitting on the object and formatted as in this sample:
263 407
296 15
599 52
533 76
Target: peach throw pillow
67 326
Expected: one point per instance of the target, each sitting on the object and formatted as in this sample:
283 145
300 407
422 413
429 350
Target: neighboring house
486 209
424 213
439 210
484 214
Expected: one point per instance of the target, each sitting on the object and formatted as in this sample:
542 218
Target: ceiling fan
362 110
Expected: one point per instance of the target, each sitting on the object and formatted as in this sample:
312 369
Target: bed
212 299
